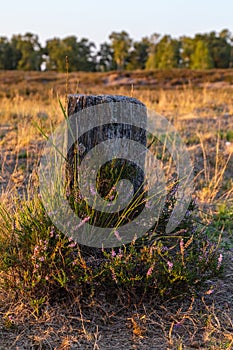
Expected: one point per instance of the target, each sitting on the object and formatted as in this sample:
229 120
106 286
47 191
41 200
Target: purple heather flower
36 249
149 272
120 255
178 324
164 249
83 222
114 275
116 233
210 291
182 245
170 265
92 190
148 205
219 261
86 219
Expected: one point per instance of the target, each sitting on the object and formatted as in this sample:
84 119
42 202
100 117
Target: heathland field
163 291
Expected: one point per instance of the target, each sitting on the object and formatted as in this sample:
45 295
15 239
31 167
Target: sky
96 19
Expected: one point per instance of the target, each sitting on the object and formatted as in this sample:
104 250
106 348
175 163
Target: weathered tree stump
87 141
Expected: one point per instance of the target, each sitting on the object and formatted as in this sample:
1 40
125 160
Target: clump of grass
227 135
212 186
39 264
222 220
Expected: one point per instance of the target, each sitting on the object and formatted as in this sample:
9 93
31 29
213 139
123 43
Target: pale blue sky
96 19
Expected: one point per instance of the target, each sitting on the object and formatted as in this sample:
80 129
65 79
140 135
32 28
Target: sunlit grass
40 267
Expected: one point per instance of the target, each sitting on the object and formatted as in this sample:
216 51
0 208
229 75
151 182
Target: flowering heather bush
40 262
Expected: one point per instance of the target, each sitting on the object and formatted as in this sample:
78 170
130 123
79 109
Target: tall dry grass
203 116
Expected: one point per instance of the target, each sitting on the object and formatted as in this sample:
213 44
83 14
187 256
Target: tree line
203 51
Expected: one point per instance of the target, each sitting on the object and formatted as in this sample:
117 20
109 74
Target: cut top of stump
77 102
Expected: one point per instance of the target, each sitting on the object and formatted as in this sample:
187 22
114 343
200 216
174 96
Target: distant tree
121 45
29 49
69 47
208 50
201 58
186 50
154 40
165 54
105 59
231 55
86 58
56 52
139 54
78 52
220 48
9 56
16 53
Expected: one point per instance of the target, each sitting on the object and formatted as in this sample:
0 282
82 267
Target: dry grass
202 113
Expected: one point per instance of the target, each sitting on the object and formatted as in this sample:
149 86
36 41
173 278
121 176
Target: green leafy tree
69 47
121 45
220 48
154 40
78 52
186 51
164 54
56 51
201 58
139 54
16 54
86 58
9 55
231 55
105 58
30 51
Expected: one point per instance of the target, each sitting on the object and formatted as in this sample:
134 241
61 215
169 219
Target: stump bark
85 142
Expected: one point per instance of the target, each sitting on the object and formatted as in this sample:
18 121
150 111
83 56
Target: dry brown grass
199 111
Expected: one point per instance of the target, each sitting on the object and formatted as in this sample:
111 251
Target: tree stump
85 142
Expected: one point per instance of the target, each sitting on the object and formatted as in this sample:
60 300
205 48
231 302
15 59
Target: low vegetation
162 291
